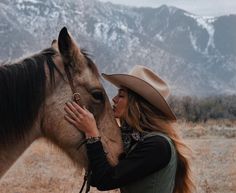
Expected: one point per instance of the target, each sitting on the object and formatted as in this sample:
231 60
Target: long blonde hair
140 114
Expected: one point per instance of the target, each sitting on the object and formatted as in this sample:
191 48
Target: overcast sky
199 7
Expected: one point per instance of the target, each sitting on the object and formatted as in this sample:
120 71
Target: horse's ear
69 49
64 42
54 44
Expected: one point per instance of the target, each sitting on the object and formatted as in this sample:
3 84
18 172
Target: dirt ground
44 169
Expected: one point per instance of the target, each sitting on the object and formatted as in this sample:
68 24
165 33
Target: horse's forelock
90 62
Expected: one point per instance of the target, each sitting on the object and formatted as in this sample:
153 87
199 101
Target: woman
154 158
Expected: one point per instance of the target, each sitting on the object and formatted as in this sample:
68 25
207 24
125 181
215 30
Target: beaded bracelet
91 140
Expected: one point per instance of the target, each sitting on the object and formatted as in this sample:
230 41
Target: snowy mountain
195 54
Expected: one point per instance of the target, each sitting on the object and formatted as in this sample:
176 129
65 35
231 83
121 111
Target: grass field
44 169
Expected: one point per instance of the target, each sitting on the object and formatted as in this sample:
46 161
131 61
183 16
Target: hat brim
142 88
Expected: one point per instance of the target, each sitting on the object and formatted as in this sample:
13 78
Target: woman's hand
82 119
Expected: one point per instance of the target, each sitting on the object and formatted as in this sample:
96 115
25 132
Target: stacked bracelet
91 140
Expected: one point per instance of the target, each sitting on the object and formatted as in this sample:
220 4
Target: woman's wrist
92 140
92 134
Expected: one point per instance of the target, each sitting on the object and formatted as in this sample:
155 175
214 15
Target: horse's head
82 77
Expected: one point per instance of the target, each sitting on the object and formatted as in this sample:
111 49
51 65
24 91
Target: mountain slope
196 55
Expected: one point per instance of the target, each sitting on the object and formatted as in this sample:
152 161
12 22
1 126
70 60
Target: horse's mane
22 91
90 63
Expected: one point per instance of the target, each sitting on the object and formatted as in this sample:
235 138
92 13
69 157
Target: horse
33 92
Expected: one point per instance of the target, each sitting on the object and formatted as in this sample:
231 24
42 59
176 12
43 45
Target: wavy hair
140 114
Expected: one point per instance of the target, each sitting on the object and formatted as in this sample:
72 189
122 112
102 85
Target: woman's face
120 103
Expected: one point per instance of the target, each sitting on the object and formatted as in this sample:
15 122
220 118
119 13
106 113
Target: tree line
201 109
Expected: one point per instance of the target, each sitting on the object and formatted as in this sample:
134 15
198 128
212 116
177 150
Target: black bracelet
91 140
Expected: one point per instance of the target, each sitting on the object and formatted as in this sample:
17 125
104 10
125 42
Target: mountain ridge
194 54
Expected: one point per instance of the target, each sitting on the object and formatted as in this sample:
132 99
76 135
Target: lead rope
87 178
76 98
87 175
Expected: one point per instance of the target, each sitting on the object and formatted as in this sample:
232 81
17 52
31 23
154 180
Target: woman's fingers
73 108
81 118
70 120
78 108
85 109
71 113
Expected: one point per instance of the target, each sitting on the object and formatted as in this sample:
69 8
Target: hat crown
151 78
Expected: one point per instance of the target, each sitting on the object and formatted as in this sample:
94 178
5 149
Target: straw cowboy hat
147 84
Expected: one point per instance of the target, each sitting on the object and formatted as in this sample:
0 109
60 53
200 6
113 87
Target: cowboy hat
147 84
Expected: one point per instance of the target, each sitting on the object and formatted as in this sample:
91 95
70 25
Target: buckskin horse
33 92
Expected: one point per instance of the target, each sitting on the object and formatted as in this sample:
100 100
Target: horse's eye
98 96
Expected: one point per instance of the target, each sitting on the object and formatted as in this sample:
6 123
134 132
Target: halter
76 97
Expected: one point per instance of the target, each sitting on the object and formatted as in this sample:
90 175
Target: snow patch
113 37
101 30
172 10
159 37
206 23
193 40
28 1
122 26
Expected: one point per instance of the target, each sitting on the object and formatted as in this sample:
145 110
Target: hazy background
200 7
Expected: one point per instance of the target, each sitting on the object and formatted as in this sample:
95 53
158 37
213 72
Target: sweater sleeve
148 156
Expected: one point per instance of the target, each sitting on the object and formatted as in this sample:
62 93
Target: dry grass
43 169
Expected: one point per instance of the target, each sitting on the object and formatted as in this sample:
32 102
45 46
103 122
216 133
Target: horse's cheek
60 131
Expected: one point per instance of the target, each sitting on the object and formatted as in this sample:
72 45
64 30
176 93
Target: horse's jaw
79 155
112 149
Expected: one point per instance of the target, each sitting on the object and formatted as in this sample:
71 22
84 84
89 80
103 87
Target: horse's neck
9 154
